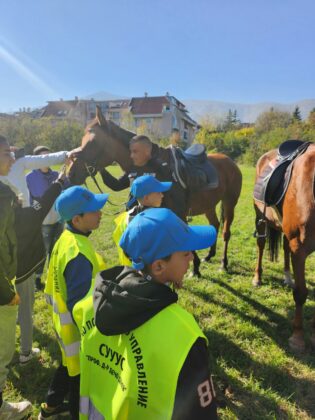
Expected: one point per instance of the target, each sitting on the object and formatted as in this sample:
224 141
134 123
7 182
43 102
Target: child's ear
76 220
158 267
144 200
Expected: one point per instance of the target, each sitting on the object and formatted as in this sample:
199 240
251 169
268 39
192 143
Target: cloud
26 73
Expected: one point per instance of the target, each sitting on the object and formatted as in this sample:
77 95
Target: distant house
157 115
163 114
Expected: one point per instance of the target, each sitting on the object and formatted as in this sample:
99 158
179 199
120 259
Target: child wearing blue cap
148 191
159 363
72 268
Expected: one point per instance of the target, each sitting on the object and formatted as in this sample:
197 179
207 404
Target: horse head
97 149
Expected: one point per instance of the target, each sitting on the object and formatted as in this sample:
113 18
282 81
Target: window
103 108
115 115
91 107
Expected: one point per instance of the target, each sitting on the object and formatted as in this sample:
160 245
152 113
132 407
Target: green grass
247 328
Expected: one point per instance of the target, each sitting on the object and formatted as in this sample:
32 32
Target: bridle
91 169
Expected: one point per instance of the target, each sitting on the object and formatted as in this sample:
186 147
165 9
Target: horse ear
100 117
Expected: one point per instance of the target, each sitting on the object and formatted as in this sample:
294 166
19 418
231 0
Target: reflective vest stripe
72 349
84 405
65 318
87 408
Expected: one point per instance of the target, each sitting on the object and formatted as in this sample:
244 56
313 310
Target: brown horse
104 143
298 227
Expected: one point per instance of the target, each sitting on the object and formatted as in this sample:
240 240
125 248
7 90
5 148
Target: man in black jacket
143 153
21 251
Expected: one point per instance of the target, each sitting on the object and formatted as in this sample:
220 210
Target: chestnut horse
104 143
298 227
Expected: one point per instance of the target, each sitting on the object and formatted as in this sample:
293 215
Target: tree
296 116
311 118
28 132
231 121
272 119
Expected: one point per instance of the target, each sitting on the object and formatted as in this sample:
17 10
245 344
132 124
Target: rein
91 170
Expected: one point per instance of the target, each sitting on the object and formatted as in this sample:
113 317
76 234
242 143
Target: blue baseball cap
77 200
147 184
157 233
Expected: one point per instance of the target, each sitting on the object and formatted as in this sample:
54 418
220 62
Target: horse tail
274 241
221 214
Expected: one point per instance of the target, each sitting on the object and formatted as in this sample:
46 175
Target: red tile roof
59 108
148 105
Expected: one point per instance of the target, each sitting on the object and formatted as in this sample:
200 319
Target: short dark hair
141 139
3 140
39 149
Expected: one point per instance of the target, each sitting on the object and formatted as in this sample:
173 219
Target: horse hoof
297 344
206 259
256 283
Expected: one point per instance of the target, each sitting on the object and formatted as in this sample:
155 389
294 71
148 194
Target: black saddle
288 147
192 168
272 184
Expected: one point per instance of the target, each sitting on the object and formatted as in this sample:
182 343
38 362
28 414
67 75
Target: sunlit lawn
247 328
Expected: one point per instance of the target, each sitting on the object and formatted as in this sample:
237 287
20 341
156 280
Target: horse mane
119 133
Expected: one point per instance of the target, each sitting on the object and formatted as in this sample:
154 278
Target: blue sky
228 50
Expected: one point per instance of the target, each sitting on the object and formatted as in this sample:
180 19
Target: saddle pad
272 184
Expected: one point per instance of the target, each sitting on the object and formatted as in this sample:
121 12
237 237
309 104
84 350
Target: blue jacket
38 182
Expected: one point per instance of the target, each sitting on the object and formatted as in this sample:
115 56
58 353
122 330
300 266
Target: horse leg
296 340
287 281
213 220
261 242
228 216
196 263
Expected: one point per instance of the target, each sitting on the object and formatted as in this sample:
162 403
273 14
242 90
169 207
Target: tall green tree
231 121
296 116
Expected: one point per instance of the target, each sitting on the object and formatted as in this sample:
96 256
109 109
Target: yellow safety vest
121 224
133 376
68 246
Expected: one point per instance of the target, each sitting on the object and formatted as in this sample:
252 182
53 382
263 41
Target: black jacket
8 245
124 300
175 198
22 249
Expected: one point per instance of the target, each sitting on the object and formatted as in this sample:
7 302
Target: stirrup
264 235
